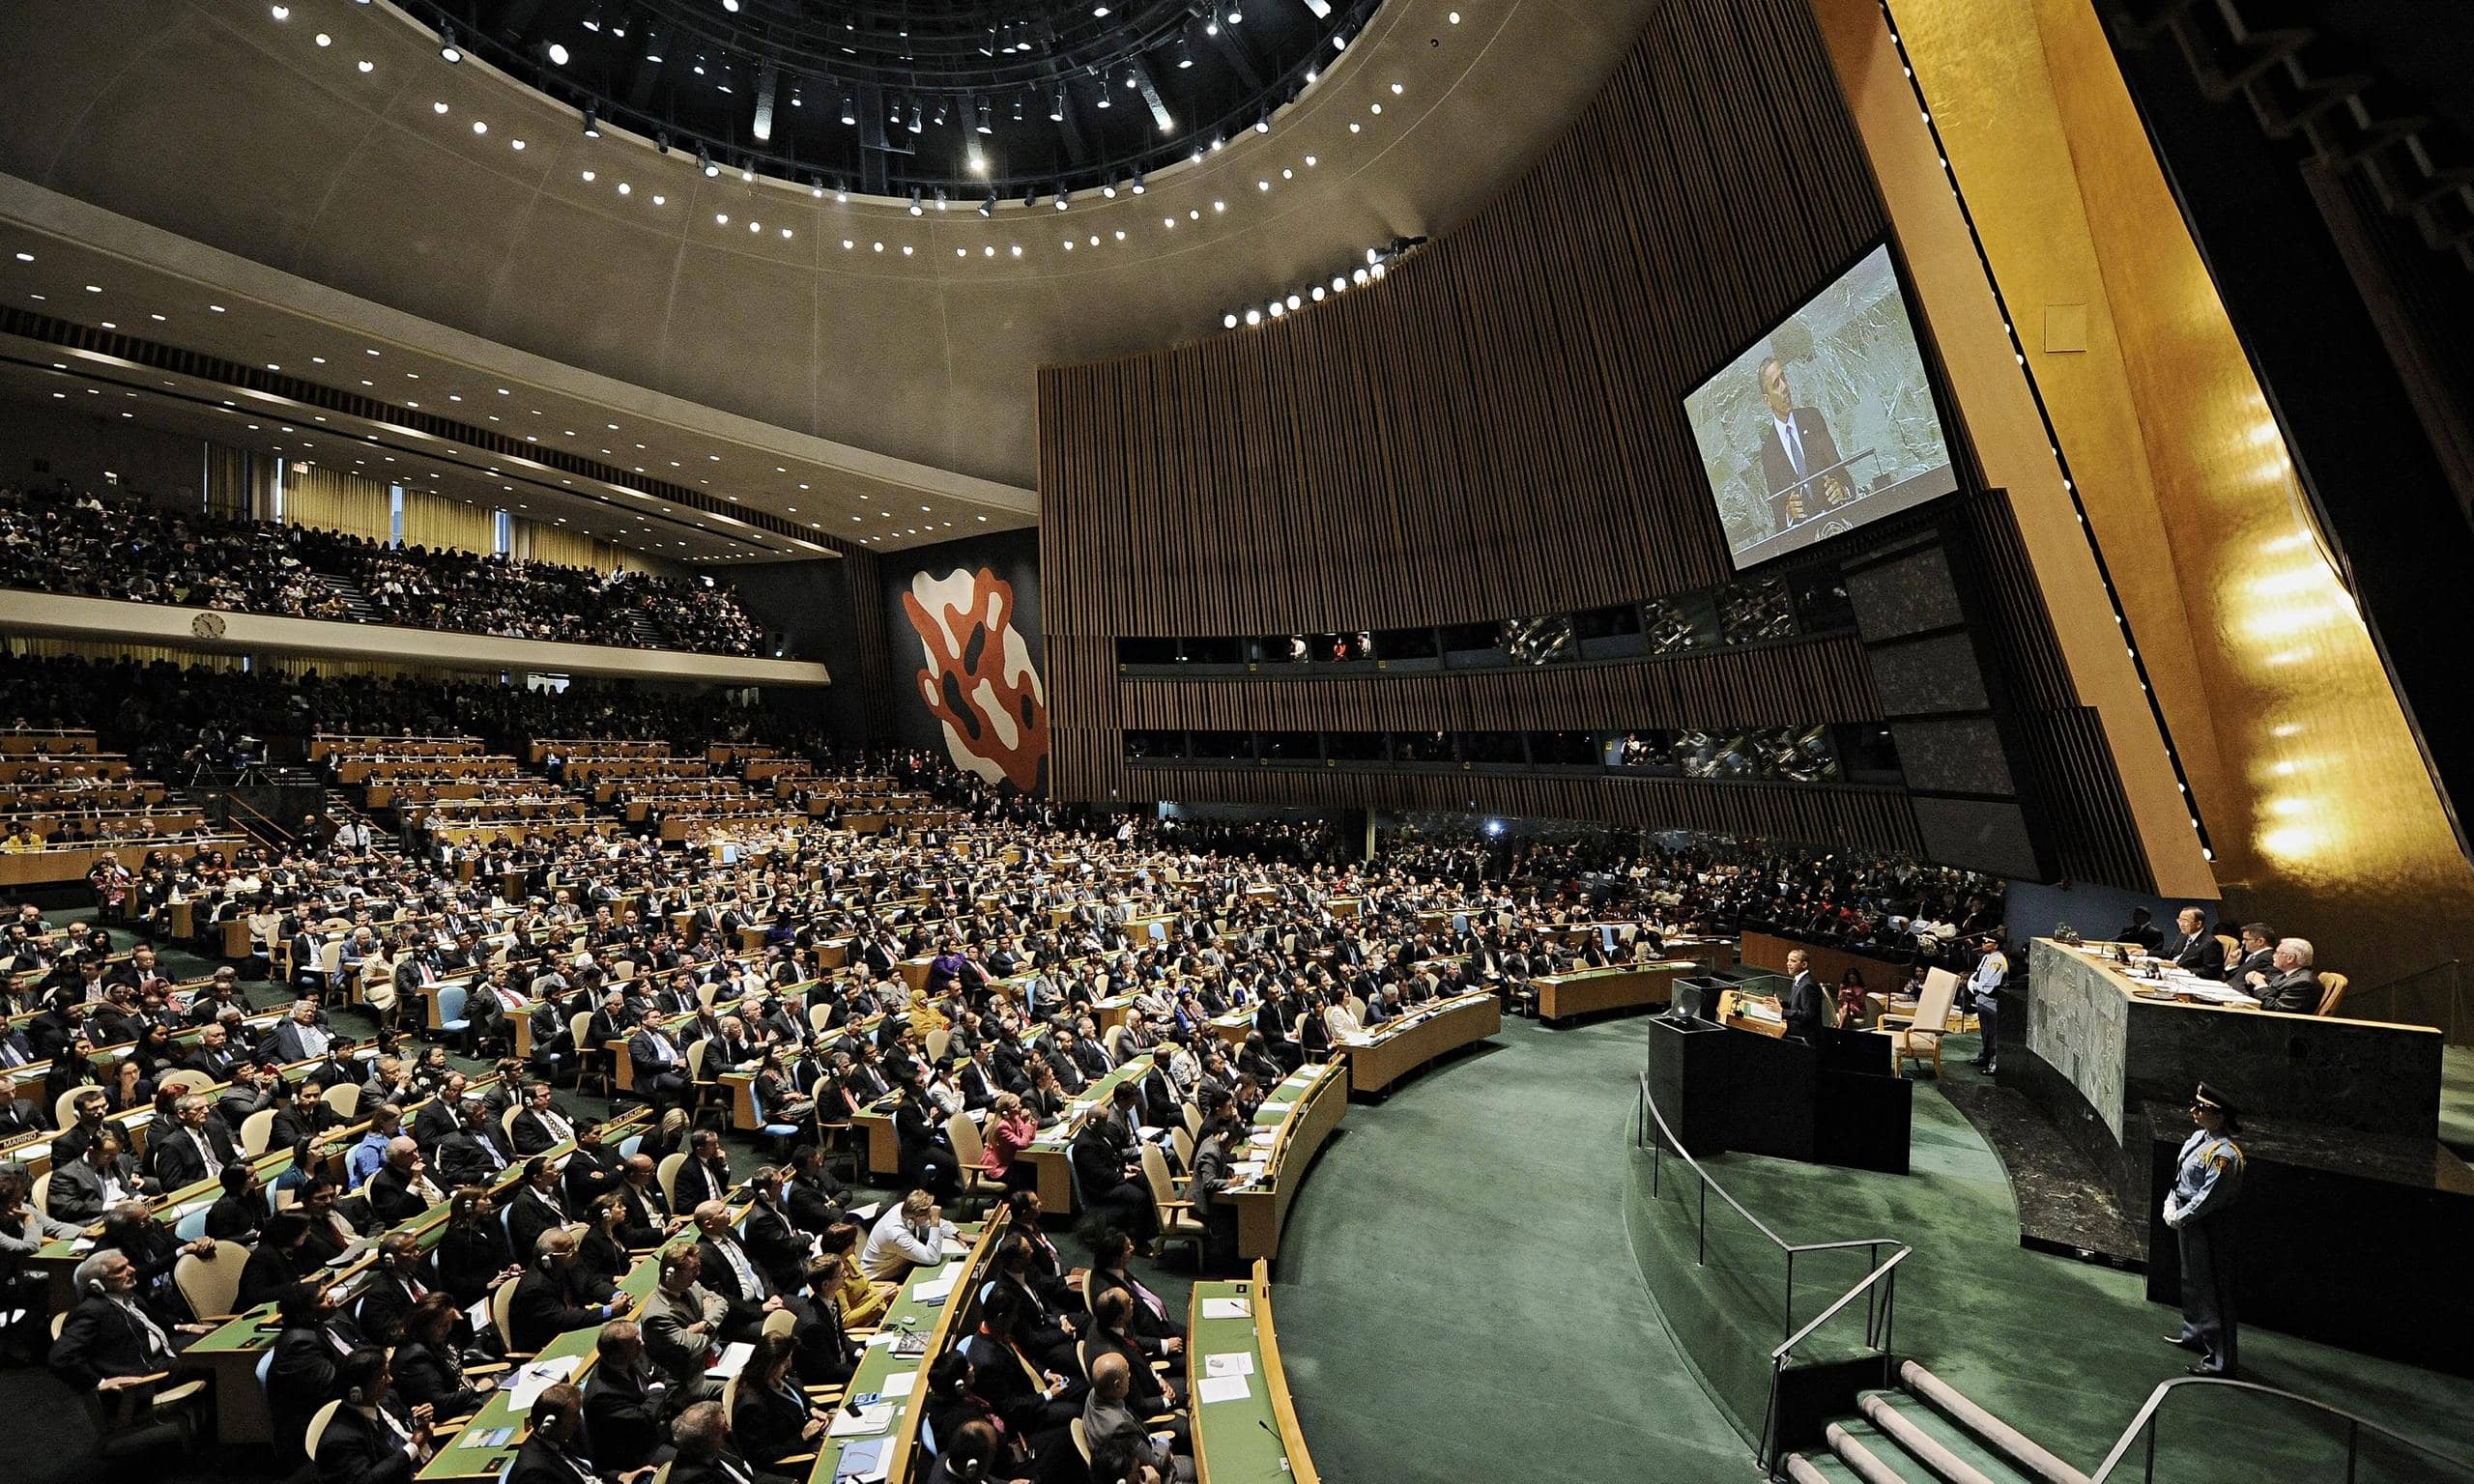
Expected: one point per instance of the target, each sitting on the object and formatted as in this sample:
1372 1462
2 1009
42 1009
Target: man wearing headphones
306 1372
554 1453
109 1344
372 1438
549 1299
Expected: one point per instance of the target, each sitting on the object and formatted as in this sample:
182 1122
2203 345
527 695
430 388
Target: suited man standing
1798 456
2194 949
1806 1006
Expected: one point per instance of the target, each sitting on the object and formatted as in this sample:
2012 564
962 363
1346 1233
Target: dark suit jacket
99 1340
765 1423
2295 994
548 1303
721 1278
390 1196
532 1134
623 1419
462 1157
1778 471
2200 954
300 1379
434 1124
1807 1008
177 1162
539 1461
360 1449
289 1047
528 1216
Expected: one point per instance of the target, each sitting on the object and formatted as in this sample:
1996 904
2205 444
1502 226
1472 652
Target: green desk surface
167 1208
1053 1138
1432 1009
908 1315
1293 1092
1242 1441
455 1461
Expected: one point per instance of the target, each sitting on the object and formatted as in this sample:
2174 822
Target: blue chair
192 1226
450 1010
779 1134
628 1146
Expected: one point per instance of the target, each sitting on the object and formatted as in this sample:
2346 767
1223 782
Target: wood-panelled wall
1495 429
1778 685
1873 819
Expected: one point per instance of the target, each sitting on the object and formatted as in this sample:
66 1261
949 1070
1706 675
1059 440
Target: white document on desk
528 1383
937 1290
1234 1363
1228 1308
1221 1388
893 1387
867 1422
734 1360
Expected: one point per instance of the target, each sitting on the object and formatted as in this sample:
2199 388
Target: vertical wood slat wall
1495 429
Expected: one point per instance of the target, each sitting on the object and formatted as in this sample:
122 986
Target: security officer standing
2205 1186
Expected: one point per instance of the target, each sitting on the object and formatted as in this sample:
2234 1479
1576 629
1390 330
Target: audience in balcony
145 553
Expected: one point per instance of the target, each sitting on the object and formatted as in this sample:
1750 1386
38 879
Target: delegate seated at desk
2288 986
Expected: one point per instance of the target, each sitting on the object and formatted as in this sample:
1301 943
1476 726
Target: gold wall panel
2324 818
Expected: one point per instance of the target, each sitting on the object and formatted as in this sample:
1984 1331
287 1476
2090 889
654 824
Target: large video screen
1825 423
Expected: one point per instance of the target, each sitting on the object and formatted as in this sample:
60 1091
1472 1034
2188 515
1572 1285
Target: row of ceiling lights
27 258
920 202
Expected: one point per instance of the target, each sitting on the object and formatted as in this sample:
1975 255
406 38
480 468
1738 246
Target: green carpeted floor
1458 1296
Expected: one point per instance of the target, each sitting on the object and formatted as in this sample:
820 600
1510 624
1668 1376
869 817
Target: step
2019 1451
1870 1457
1945 1451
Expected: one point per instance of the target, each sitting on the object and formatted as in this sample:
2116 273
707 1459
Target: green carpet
1459 1295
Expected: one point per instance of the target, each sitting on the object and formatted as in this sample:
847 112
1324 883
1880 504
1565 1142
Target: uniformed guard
2205 1186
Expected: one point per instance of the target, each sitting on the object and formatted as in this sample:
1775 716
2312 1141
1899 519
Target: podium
1823 1102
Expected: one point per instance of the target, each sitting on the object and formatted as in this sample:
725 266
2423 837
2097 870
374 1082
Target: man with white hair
2293 986
109 1344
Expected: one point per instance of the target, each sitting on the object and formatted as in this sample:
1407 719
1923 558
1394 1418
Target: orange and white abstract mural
978 679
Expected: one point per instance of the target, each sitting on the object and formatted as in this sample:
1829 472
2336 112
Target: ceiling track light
591 125
1018 109
705 163
1137 184
987 208
987 125
850 113
1064 198
1056 107
447 47
591 16
1263 123
919 119
915 206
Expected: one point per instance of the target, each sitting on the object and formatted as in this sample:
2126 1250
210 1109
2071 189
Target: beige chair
2332 991
1114 1042
935 1041
1082 1438
592 1061
502 1303
186 1081
345 1098
2232 947
967 1152
506 1122
211 1283
666 1176
255 1131
626 970
1178 1220
318 1428
1916 1036
64 1109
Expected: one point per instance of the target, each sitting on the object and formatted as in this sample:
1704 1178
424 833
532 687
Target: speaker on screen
1825 423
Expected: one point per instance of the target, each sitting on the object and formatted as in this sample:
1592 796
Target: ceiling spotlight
1056 107
1110 191
1104 95
1322 9
1017 109
987 208
919 119
986 124
591 16
652 44
1064 198
1185 55
1228 321
850 114
1138 184
942 203
280 12
915 206
1236 15
1262 123
447 46
557 54
592 127
704 162
1253 316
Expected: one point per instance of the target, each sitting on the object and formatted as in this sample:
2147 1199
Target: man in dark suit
471 1155
305 1117
2259 957
1806 1006
2194 949
373 1438
624 1402
815 1198
702 1436
85 1187
440 1116
19 1116
705 1176
731 1274
2291 986
555 1452
304 1036
536 1206
108 1342
309 1352
648 1219
214 1055
1798 456
550 1299
195 1148
400 1279
540 1125
660 1063
1103 1182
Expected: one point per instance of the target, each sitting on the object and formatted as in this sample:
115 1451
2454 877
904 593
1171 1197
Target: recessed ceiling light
323 40
480 127
367 66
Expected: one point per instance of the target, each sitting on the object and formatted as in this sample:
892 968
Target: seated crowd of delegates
60 541
1019 953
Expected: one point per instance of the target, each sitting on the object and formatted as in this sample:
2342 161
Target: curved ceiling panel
918 339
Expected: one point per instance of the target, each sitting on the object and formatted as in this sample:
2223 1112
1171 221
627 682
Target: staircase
642 634
355 599
1926 1433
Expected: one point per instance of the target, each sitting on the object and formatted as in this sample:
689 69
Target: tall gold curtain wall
228 477
534 541
314 494
435 521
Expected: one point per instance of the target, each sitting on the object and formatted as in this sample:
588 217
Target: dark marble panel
1980 835
1918 677
1962 755
2348 1075
1908 595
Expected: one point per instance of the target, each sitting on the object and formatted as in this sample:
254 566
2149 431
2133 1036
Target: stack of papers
1234 1363
1228 1308
732 1361
866 1422
525 1385
1221 1388
864 1462
1275 1109
936 1290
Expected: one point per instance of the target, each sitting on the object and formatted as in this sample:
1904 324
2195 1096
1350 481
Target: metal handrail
1879 1287
2422 973
2144 1422
273 834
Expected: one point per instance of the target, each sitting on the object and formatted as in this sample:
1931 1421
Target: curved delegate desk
1616 986
1289 1129
1379 1057
1249 1434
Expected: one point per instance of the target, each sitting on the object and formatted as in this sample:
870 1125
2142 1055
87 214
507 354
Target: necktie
206 1151
1795 446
